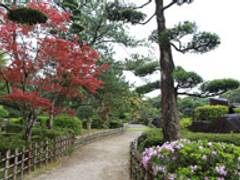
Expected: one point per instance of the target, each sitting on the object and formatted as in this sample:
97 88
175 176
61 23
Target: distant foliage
3 112
185 122
27 16
11 142
119 12
233 96
185 79
115 124
219 86
147 68
210 112
237 110
187 105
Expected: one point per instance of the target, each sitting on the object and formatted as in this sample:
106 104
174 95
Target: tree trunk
89 124
50 121
51 116
30 122
168 97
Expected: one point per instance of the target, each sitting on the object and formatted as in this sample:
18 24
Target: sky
216 16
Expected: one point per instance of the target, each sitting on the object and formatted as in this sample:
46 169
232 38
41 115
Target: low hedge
14 128
237 110
154 137
210 112
115 124
13 139
39 134
42 120
68 122
3 112
11 142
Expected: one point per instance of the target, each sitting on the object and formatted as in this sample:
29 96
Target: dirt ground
107 159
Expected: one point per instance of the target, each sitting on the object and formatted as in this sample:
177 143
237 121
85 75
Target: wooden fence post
29 161
46 152
35 156
55 149
15 167
22 162
8 154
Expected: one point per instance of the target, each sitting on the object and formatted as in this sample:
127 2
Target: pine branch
169 5
4 6
149 19
142 6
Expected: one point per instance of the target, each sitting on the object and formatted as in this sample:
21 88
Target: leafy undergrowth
154 137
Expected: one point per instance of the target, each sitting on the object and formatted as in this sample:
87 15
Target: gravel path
107 159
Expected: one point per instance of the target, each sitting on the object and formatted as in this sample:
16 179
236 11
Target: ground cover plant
185 159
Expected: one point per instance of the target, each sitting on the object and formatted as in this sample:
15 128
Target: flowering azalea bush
184 159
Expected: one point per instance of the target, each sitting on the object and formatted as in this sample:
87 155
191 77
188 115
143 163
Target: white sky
216 16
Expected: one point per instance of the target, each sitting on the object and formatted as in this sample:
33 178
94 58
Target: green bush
3 112
42 120
67 122
40 134
98 124
16 121
237 110
150 138
154 137
185 122
184 159
11 142
13 128
115 124
210 112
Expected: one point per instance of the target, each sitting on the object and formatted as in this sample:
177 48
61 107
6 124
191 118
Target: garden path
107 159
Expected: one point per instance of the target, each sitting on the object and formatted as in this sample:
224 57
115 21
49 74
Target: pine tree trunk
168 94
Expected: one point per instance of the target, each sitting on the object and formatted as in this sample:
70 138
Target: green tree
233 96
167 39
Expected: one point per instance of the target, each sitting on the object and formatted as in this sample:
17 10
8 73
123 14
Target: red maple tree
43 67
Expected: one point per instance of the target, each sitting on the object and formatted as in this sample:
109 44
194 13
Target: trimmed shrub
210 112
184 159
11 142
42 120
115 124
237 110
67 122
150 138
98 124
16 121
185 122
3 112
13 128
40 134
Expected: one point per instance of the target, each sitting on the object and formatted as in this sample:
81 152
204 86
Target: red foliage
42 66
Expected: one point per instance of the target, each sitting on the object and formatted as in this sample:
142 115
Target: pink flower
221 170
157 169
204 157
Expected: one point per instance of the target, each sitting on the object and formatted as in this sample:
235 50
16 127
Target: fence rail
88 138
14 164
137 171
